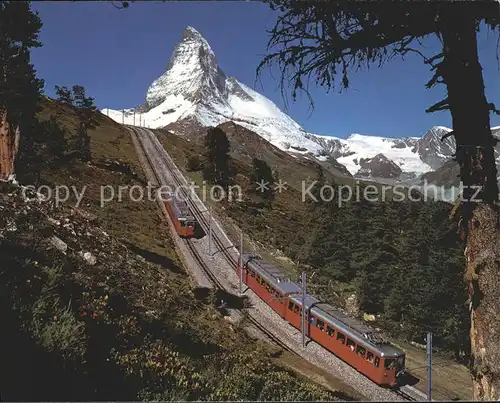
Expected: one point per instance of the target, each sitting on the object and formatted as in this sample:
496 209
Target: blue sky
116 54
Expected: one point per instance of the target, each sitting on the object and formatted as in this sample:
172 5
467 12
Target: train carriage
180 215
356 344
267 282
349 339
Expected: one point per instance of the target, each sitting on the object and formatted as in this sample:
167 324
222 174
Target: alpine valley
194 93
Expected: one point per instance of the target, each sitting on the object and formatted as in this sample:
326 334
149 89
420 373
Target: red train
347 338
178 210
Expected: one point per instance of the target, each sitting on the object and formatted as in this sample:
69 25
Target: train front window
389 363
400 364
183 223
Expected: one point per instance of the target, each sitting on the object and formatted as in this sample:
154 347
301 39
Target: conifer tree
64 95
86 109
19 87
217 168
262 174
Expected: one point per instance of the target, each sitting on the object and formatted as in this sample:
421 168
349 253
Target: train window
290 306
312 319
389 363
251 273
351 344
321 325
377 361
369 357
361 351
330 331
296 309
183 224
341 337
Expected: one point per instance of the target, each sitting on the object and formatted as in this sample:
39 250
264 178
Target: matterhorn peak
193 72
193 88
191 32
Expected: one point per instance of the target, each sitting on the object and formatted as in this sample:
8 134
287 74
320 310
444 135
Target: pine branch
440 106
492 108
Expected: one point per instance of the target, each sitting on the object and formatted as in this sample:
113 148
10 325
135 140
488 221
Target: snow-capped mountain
194 93
194 87
412 155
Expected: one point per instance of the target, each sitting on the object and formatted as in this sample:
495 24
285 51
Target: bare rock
59 244
88 257
11 226
369 317
54 222
352 305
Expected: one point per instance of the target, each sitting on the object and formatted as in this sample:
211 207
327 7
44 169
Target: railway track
407 393
194 251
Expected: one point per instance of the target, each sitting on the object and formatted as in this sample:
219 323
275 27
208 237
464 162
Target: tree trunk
462 75
9 144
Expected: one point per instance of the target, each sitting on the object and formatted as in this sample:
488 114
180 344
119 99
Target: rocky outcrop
432 150
379 167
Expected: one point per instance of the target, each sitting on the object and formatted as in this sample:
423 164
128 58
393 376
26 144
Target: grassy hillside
96 305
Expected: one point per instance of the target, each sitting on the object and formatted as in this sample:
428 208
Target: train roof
271 273
310 301
288 287
179 205
259 264
388 350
